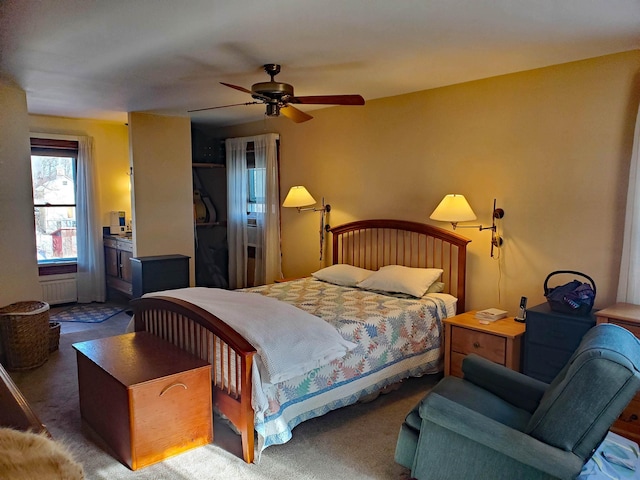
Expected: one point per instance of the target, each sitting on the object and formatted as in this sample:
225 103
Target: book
491 314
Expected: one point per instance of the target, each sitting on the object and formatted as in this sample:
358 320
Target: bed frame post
462 288
246 413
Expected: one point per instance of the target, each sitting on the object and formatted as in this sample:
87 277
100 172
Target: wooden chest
147 399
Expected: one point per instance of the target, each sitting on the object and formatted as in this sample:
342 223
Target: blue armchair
499 424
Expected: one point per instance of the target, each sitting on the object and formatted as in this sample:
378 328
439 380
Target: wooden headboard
372 244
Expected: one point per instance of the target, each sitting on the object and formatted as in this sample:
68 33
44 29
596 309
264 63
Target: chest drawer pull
631 418
476 345
177 384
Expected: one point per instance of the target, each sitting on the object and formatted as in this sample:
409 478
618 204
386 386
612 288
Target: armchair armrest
498 437
514 387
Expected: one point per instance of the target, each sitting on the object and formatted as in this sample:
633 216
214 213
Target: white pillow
397 278
342 274
436 287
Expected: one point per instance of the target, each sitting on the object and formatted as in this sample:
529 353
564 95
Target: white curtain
90 276
236 149
268 256
267 230
629 283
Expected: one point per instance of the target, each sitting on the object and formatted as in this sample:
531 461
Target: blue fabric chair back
590 392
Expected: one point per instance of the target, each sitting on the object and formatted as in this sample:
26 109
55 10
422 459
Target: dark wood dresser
551 339
147 399
159 272
117 263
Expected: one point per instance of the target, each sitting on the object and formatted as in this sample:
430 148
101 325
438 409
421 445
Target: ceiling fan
278 97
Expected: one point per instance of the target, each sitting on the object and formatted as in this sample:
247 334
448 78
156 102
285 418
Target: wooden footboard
206 336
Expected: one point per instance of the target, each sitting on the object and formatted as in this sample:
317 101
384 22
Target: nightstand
625 315
499 341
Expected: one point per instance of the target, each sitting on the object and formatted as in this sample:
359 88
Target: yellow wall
552 145
160 149
111 155
19 269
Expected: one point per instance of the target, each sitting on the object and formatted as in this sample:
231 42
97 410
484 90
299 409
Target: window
53 173
256 184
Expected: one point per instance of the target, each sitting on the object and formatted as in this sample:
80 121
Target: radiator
58 289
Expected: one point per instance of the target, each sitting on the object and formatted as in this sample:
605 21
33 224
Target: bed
414 336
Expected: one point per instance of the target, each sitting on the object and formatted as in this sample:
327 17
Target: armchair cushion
490 442
466 394
514 387
482 401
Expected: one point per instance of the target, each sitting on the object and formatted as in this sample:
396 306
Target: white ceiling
101 59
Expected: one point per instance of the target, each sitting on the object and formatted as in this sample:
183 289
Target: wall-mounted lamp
300 198
454 208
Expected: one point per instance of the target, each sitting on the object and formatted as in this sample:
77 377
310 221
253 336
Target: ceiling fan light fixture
273 110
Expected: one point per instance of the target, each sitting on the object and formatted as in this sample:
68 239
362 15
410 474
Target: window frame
53 147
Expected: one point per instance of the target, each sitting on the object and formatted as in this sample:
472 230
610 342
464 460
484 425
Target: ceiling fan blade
242 89
292 113
329 100
222 106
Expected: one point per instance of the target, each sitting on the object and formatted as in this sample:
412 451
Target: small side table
499 341
626 315
146 398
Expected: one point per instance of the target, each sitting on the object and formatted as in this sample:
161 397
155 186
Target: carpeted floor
355 442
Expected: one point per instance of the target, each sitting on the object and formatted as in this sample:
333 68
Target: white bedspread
289 341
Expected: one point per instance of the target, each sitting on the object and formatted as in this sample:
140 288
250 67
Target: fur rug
29 456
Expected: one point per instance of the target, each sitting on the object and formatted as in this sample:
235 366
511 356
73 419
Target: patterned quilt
397 338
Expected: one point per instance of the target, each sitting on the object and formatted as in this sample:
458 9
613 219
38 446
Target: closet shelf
211 224
207 165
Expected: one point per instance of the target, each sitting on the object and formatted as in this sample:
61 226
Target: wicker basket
24 330
54 336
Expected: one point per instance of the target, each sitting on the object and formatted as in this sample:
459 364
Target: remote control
522 314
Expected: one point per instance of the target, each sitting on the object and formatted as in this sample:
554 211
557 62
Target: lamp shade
298 196
453 208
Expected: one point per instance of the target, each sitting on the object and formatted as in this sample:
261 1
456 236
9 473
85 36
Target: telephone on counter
522 313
